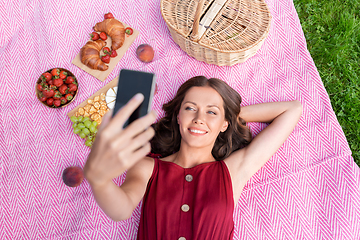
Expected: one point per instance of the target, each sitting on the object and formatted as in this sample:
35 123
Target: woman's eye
211 112
189 108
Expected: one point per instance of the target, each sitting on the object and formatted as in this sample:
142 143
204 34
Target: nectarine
73 176
145 53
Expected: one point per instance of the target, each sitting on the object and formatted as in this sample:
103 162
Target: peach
73 176
145 53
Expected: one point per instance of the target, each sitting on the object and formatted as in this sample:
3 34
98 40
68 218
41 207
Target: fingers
137 133
125 112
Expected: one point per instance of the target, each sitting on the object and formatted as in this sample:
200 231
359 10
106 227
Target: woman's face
201 117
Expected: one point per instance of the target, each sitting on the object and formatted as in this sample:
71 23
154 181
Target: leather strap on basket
195 32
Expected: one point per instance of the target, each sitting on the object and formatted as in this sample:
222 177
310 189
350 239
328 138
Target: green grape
87 123
85 119
74 119
81 125
90 137
85 131
95 131
77 130
92 128
80 118
88 143
95 123
74 125
82 135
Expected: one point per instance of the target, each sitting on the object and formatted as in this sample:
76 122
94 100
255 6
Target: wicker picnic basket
221 32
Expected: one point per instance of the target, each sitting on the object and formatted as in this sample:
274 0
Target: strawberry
63 74
106 50
43 99
72 87
50 101
105 58
103 36
51 82
108 15
69 80
57 102
58 82
129 31
39 87
63 100
48 92
47 76
57 95
68 96
94 36
113 53
62 89
55 72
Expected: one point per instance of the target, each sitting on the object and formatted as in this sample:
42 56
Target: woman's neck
188 157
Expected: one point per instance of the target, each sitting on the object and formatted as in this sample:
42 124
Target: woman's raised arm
283 117
116 150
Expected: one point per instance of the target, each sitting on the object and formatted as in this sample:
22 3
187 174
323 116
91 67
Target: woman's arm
283 117
116 150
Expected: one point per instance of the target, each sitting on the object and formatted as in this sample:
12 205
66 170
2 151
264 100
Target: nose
199 118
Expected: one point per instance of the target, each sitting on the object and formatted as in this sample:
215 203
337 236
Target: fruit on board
113 53
105 58
94 36
145 53
129 31
108 15
73 176
85 128
103 36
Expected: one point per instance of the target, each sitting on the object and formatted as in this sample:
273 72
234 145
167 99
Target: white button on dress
189 178
185 208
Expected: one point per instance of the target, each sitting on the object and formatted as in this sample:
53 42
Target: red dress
188 203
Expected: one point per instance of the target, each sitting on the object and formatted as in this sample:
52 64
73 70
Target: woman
207 156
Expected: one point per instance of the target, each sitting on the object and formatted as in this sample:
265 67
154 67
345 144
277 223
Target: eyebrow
211 105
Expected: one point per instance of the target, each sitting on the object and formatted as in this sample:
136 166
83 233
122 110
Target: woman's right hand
115 149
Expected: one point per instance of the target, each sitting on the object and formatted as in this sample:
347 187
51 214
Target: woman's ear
225 126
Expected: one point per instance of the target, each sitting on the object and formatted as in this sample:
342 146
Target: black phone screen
130 83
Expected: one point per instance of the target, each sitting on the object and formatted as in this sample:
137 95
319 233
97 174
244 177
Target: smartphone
130 83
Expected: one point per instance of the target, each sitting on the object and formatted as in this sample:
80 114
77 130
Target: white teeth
196 131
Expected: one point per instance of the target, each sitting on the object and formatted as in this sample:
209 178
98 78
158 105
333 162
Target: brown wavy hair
167 134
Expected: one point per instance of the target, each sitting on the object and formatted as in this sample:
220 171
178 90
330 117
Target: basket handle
195 32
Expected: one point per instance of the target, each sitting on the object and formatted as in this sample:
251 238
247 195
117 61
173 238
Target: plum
145 53
73 176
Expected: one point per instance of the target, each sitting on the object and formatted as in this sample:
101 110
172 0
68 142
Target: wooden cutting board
102 75
111 84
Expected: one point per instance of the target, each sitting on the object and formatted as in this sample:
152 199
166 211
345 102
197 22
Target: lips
196 131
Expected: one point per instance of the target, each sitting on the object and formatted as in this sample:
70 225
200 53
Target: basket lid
222 25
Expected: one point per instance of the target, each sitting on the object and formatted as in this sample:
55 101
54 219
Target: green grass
332 32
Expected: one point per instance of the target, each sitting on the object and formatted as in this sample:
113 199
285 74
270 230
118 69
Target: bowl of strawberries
56 88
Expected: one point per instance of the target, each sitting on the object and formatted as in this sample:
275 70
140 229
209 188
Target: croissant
114 29
90 55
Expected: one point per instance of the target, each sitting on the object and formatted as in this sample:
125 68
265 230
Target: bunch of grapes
85 128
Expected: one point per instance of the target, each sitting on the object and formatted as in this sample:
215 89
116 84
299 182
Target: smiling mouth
197 131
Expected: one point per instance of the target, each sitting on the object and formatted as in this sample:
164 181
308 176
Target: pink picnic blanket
308 190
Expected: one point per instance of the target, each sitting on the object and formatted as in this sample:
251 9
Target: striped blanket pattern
308 190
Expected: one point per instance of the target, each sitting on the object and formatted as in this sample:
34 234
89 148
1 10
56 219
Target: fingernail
139 96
